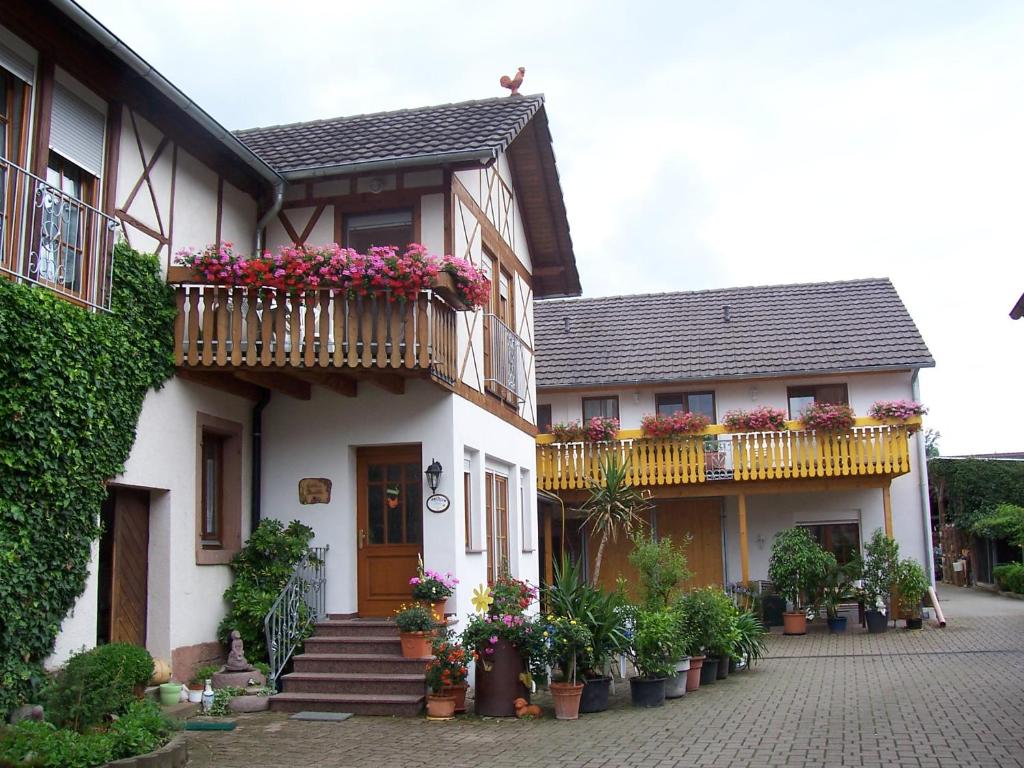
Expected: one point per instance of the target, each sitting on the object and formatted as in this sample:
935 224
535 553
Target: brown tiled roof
476 129
726 333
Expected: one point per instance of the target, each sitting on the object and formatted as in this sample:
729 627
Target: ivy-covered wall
975 487
72 384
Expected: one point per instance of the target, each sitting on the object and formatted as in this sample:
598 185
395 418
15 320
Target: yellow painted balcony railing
871 447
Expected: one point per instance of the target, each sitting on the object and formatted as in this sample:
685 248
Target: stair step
356 628
401 705
358 663
371 644
353 682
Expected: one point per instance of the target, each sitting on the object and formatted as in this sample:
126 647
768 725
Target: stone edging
173 754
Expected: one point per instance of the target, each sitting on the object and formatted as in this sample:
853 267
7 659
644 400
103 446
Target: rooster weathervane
513 83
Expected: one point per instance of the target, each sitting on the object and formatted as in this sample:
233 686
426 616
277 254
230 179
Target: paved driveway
949 697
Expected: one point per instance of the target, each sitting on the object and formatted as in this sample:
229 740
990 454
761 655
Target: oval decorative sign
438 502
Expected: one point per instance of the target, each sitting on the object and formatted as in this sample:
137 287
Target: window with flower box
802 396
668 403
603 407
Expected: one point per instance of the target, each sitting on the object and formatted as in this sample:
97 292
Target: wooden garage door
702 520
130 566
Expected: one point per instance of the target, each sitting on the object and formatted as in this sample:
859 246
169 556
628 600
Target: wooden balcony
716 457
272 339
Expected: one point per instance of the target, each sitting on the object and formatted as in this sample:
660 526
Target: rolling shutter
76 130
21 68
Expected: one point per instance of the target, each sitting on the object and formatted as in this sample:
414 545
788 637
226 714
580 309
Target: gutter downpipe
275 206
256 481
922 465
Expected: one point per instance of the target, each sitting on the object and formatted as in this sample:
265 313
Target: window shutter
16 65
76 130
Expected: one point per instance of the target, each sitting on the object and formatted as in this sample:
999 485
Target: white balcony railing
51 238
506 370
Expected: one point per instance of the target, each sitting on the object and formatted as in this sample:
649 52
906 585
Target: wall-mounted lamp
433 473
753 393
760 541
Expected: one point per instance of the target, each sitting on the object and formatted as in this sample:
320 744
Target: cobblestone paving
931 698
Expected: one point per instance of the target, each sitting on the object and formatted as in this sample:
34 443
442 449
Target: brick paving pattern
925 699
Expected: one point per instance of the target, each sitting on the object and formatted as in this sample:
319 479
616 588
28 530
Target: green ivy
975 487
73 386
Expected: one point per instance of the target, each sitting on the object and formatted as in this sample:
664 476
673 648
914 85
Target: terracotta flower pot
459 692
440 707
416 645
567 700
794 623
437 611
693 673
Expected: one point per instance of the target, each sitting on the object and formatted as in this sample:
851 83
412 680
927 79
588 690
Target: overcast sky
701 144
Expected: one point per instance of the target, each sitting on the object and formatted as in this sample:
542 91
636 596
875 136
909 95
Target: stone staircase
353 665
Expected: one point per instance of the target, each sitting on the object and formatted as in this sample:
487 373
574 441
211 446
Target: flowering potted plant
897 411
433 588
509 648
827 417
764 418
567 431
601 428
570 644
679 423
416 630
446 677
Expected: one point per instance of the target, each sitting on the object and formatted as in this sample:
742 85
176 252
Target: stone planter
173 754
244 704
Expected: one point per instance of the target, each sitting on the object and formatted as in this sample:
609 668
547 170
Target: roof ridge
534 97
651 294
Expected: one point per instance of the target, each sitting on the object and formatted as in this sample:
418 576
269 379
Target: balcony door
389 525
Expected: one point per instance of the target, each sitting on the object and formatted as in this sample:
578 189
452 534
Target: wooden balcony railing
317 330
870 448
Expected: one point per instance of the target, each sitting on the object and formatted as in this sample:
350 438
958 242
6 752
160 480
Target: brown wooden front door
124 567
389 525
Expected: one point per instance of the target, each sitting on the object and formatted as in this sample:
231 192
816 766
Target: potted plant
614 505
416 630
761 419
675 684
837 587
827 417
434 588
446 678
679 423
653 649
707 616
602 613
911 583
797 567
509 647
881 559
570 642
198 682
750 644
601 429
567 431
897 411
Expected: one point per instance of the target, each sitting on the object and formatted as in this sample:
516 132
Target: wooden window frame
685 398
593 398
90 187
811 390
230 435
497 522
467 504
540 421
347 215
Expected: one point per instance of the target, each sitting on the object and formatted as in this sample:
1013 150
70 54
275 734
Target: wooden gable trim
490 235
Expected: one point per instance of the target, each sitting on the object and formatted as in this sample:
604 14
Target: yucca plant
614 506
750 644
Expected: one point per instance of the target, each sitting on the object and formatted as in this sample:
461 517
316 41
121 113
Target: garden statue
236 659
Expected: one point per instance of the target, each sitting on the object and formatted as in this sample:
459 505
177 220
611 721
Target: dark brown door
124 567
389 525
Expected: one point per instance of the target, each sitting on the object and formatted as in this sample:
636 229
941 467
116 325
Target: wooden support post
744 548
549 555
887 509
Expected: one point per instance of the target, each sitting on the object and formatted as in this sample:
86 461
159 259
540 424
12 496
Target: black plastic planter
914 623
733 665
709 672
837 625
647 693
723 668
877 621
595 694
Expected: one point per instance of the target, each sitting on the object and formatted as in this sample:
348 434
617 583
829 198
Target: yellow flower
572 621
482 598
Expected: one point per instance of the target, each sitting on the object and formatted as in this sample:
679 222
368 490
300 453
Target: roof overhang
482 156
1018 309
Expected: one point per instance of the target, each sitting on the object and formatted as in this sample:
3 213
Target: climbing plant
73 386
973 488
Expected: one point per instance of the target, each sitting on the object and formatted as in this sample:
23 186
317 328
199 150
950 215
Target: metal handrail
507 367
300 604
49 237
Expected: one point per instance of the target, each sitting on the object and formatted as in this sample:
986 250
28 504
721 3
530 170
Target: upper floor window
13 125
213 489
802 396
544 417
667 403
64 235
605 407
366 230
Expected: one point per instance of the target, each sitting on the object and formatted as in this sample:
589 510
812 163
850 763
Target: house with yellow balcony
720 351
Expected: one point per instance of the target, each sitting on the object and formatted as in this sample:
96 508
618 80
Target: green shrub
32 744
662 568
1010 577
881 564
73 386
262 568
708 617
655 645
97 683
141 729
798 566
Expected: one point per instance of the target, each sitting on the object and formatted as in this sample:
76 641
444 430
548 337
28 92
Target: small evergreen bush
1010 577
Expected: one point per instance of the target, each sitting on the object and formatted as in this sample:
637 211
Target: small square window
605 407
364 231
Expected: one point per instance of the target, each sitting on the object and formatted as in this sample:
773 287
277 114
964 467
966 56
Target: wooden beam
549 560
887 509
338 383
389 382
279 382
224 382
744 548
555 271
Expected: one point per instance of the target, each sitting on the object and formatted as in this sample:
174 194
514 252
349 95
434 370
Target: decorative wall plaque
314 490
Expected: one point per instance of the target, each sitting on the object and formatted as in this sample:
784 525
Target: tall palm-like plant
614 505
